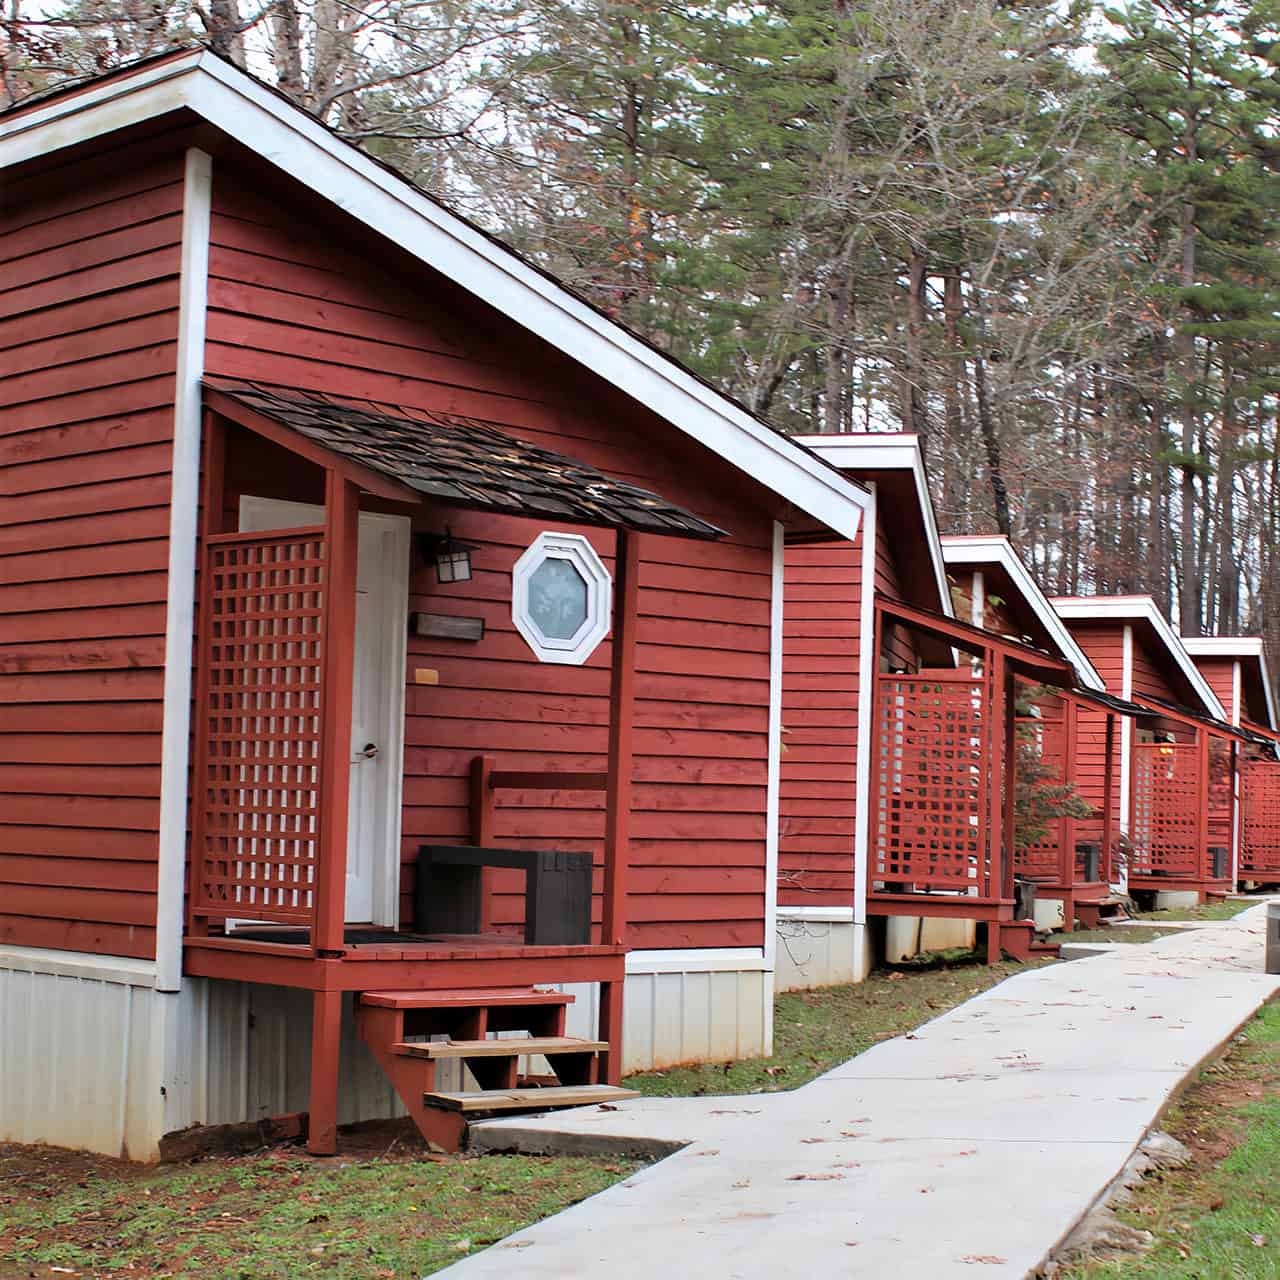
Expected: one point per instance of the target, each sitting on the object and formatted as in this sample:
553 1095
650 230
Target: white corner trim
184 502
1126 726
897 451
817 915
1237 690
992 549
704 960
1142 609
389 205
773 777
122 970
866 691
978 604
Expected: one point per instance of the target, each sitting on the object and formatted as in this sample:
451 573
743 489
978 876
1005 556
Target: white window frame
573 547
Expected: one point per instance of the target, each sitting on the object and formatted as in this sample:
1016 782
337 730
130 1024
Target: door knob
369 752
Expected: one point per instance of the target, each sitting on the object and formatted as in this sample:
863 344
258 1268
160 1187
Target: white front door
377 707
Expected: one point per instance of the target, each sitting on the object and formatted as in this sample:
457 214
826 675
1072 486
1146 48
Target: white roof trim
971 550
295 142
1142 609
1236 647
889 452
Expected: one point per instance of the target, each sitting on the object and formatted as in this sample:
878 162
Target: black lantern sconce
451 556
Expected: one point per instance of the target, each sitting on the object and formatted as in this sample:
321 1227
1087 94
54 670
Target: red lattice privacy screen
1042 739
931 782
1260 818
1165 831
256 819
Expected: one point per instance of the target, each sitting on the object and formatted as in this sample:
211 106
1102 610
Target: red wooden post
876 743
1067 827
1106 859
342 528
1009 826
326 1029
1204 793
482 816
997 710
617 822
212 485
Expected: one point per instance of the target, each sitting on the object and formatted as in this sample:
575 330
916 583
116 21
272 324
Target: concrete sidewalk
969 1148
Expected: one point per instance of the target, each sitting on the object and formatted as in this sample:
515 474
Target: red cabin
1070 740
1236 669
1174 781
483 600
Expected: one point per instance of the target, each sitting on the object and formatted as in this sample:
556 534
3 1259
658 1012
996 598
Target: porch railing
931 780
258 727
1168 794
1260 818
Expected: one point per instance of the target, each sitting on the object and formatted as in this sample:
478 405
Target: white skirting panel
820 949
81 1060
92 1056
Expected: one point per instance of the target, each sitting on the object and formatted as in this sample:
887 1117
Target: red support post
326 1034
1203 790
1009 825
617 829
342 531
997 710
212 487
1067 829
482 817
1106 860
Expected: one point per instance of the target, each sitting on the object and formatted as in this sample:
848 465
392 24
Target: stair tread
446 999
517 1045
580 1095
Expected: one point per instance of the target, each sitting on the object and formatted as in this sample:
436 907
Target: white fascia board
300 146
818 915
977 551
1142 609
1236 647
899 452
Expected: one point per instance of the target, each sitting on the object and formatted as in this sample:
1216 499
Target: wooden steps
412 1033
528 1099
522 1046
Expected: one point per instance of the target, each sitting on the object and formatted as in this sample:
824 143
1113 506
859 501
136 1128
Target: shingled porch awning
453 459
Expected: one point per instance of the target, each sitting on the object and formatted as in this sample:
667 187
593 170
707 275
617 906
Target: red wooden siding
1148 678
822 596
288 305
89 256
1219 674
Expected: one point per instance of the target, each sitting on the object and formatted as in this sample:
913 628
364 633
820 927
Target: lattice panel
1043 740
1166 818
260 794
1260 818
931 782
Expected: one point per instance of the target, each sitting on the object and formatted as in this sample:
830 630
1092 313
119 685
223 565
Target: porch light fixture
451 556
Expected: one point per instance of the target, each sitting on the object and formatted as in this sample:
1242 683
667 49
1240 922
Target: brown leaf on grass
1216 1203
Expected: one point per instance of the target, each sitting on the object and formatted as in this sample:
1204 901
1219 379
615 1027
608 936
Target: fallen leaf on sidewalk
815 1177
989 1259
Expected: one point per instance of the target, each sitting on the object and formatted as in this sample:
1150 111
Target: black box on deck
557 899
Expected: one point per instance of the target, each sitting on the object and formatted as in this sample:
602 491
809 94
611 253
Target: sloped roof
258 117
464 461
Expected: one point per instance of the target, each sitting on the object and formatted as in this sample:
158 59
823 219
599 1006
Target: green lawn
1219 1218
1224 910
814 1031
275 1215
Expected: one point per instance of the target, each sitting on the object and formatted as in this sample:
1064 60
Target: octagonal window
561 598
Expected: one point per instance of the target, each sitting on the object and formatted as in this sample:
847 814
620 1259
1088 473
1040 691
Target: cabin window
561 598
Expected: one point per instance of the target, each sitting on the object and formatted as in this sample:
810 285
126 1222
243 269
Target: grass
1227 909
274 1215
1218 1218
1116 933
814 1031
